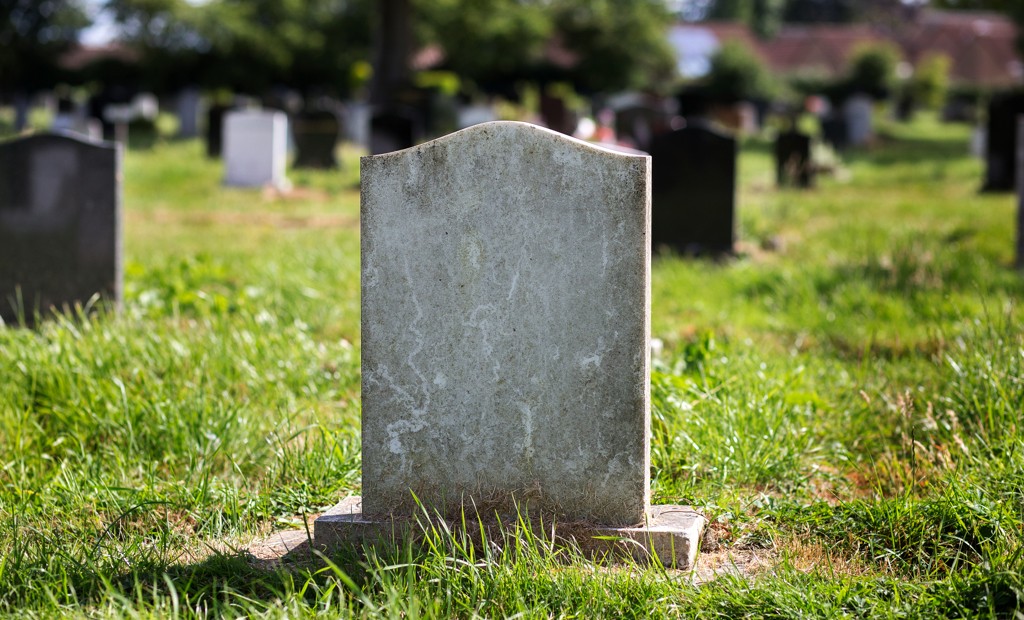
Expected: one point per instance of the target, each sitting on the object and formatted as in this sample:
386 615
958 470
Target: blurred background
172 67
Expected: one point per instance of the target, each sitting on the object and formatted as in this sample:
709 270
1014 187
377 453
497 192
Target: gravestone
639 124
694 190
188 103
316 134
394 129
60 224
215 130
505 335
793 160
1001 148
858 111
835 131
255 148
1020 191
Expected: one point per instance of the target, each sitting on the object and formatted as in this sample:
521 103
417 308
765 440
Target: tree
33 34
249 45
931 80
736 75
872 69
620 45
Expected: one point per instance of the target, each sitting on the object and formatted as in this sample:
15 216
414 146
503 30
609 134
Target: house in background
981 45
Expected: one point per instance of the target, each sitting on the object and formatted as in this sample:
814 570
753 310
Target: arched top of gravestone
57 137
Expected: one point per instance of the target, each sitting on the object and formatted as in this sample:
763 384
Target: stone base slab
672 533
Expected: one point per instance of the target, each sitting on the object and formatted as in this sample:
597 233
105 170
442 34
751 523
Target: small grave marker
255 148
505 335
858 111
316 134
793 160
60 224
694 190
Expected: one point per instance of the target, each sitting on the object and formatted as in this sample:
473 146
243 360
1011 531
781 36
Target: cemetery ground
843 401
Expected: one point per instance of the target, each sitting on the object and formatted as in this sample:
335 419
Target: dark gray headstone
640 124
793 160
215 130
60 224
394 129
1001 150
835 131
694 190
316 134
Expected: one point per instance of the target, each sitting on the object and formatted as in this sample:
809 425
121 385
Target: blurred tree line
328 45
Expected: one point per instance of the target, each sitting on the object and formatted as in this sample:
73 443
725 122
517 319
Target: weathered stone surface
505 326
255 148
60 223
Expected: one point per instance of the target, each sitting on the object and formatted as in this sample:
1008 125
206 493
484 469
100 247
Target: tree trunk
393 48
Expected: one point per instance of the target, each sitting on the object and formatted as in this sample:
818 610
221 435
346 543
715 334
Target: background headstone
394 129
639 124
60 225
188 105
793 164
475 115
858 111
316 134
215 130
835 131
505 322
694 190
1020 191
255 148
1001 147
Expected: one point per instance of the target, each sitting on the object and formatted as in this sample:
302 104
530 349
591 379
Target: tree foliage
872 69
620 45
33 34
737 75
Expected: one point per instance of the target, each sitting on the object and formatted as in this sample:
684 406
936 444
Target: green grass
846 407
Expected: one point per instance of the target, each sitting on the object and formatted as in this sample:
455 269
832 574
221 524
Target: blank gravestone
60 225
255 148
793 160
505 331
694 190
858 111
316 134
1001 148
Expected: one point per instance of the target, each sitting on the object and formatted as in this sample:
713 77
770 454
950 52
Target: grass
846 406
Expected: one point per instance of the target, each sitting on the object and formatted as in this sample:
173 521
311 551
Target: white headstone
858 111
255 148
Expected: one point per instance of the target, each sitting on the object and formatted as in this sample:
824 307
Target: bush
737 75
931 81
872 70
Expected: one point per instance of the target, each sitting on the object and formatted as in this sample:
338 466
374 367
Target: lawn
844 401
